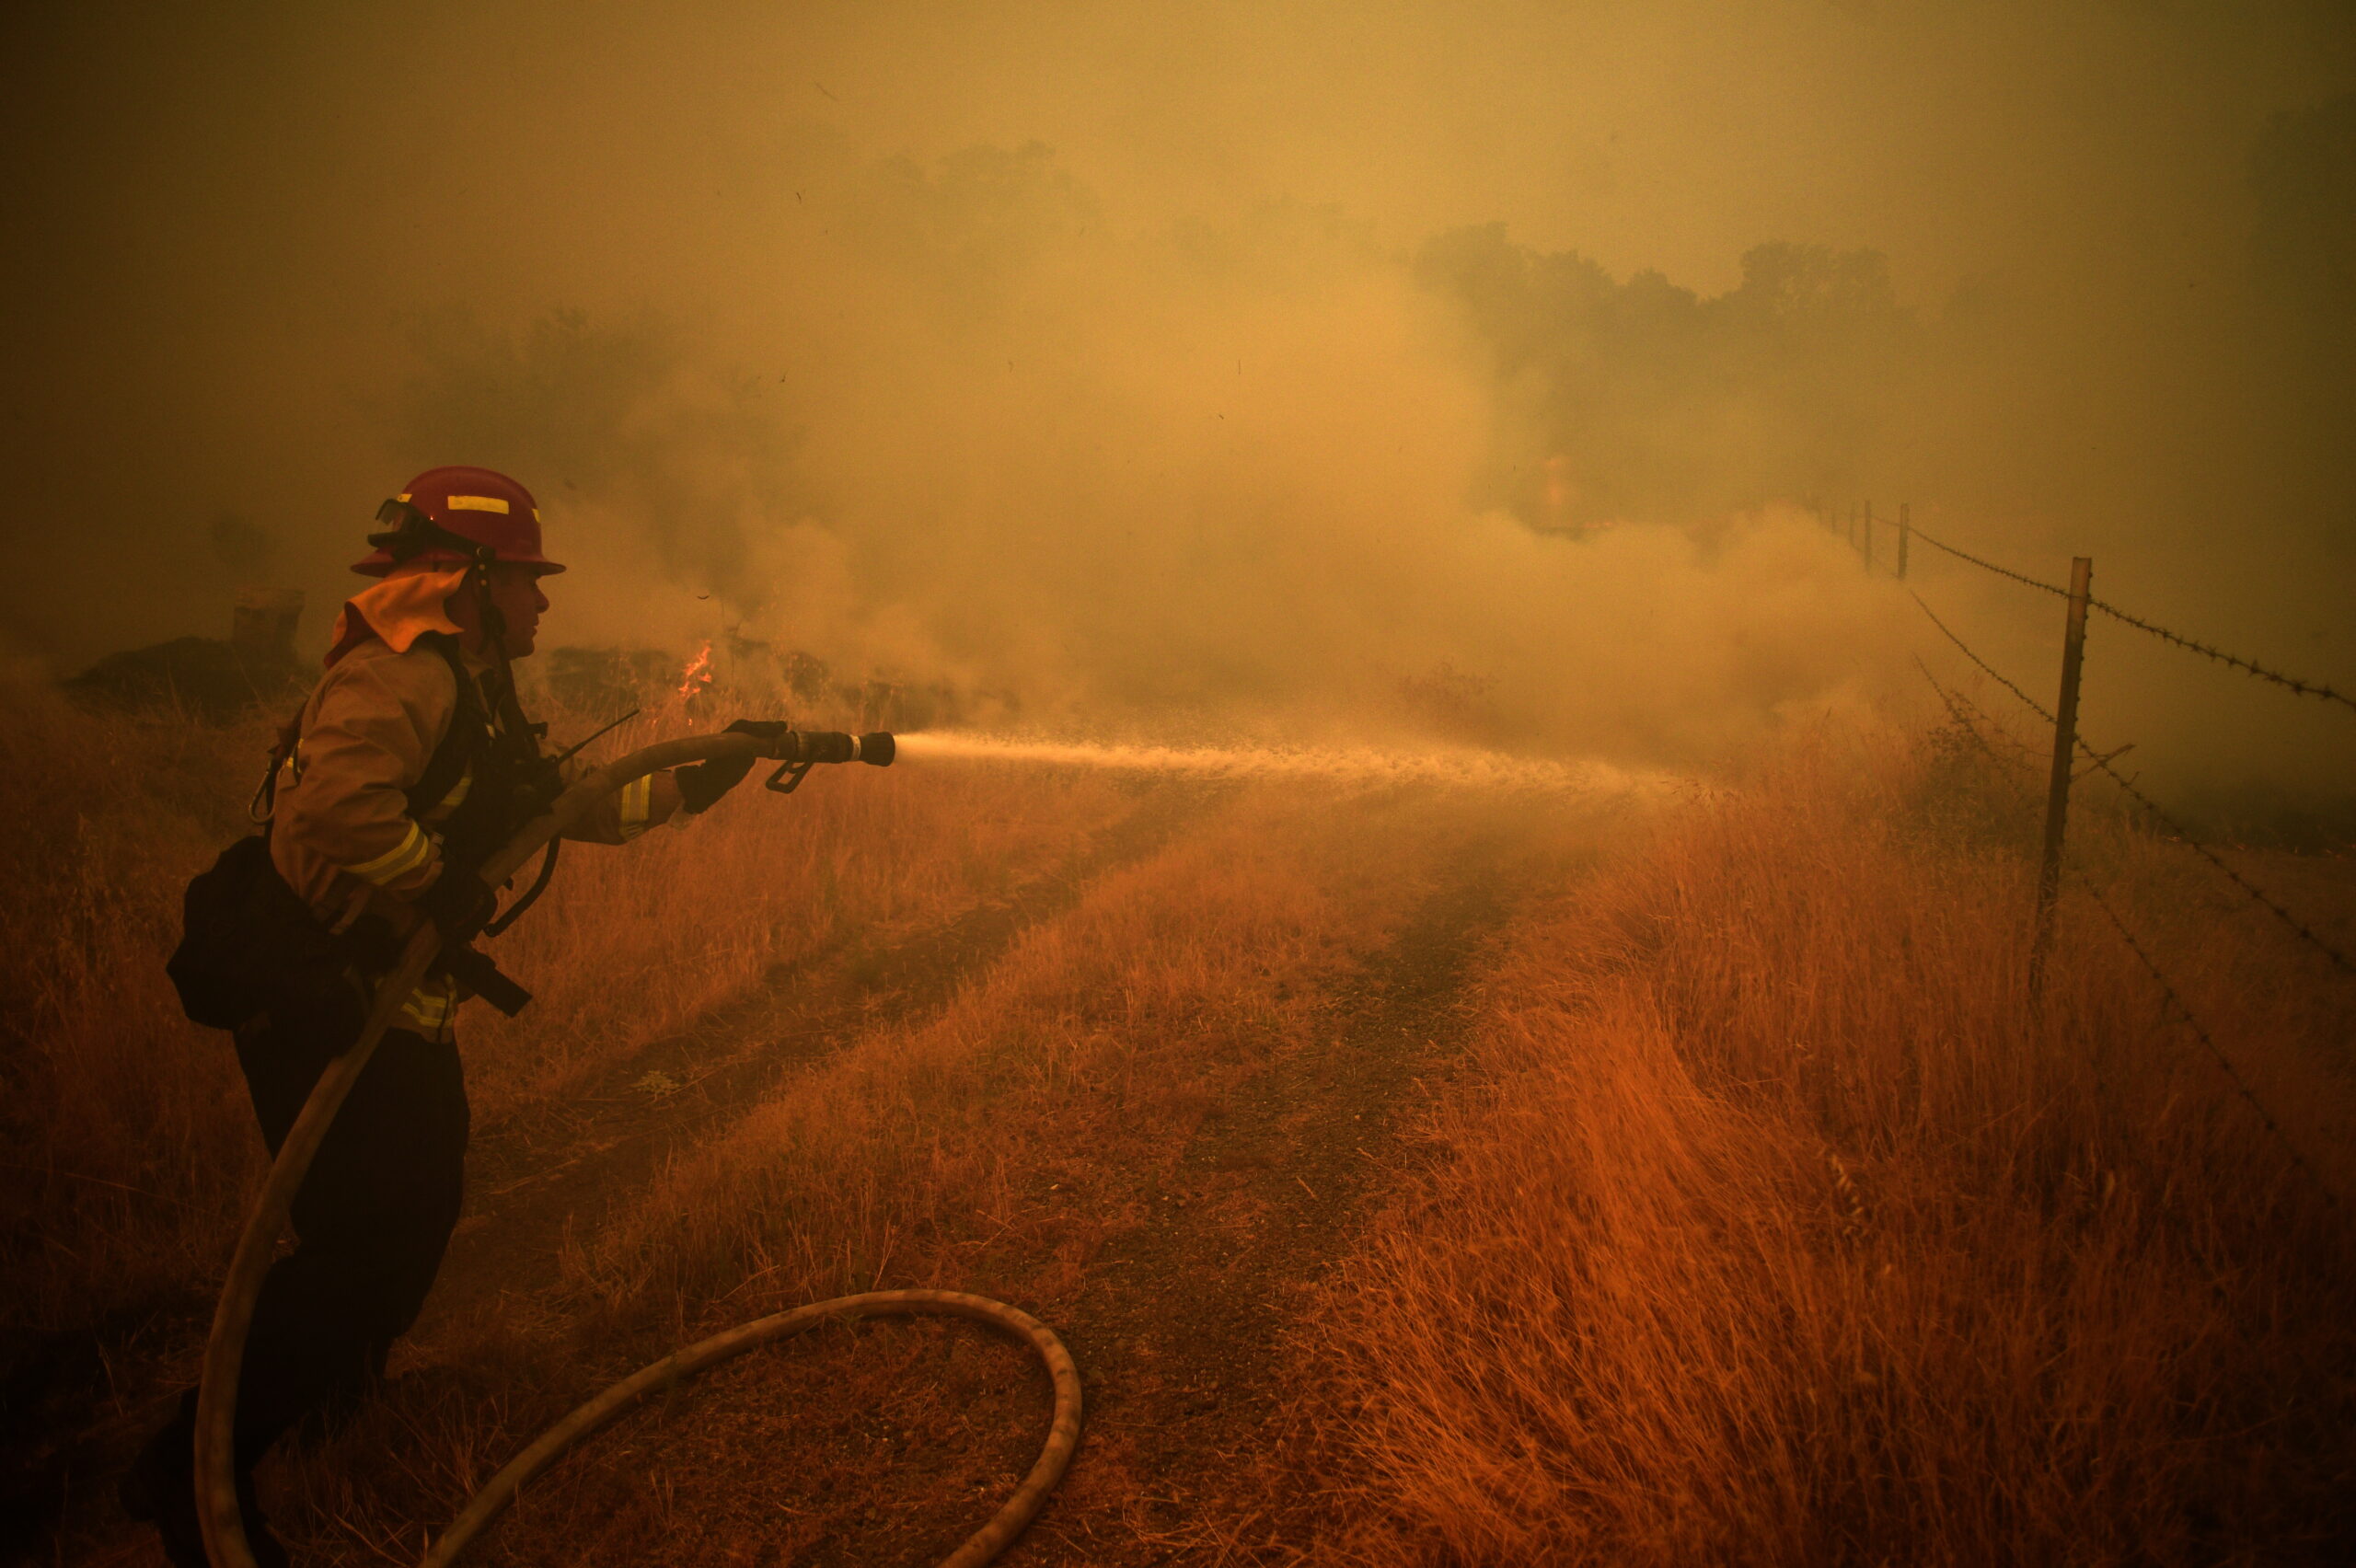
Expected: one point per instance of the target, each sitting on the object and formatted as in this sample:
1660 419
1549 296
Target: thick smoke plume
1404 365
1204 473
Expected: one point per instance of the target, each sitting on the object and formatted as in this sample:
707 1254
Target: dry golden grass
128 1143
131 1150
633 943
1169 976
1768 1226
1780 1231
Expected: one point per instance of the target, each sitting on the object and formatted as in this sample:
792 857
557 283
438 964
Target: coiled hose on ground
224 1535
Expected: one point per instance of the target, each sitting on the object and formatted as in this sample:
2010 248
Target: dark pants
371 1221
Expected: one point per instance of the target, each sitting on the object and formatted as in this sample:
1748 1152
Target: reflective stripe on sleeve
457 797
427 1009
397 862
638 803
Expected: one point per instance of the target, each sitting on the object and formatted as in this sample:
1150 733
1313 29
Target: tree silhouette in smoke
1642 398
621 415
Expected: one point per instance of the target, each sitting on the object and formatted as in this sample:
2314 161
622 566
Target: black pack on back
249 945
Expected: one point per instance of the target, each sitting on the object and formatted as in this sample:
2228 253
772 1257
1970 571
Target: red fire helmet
474 503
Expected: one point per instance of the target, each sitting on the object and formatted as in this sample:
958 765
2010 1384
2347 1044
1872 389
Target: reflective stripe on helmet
480 507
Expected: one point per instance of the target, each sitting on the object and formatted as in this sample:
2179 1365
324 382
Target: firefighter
405 767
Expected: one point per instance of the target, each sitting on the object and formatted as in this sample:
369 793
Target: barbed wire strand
1957 706
1955 711
1937 543
1986 668
2183 834
2297 926
2295 685
1963 710
2184 1015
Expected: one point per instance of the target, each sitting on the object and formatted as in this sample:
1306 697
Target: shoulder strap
463 741
512 778
264 803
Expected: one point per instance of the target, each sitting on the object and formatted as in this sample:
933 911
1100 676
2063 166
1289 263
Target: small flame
696 677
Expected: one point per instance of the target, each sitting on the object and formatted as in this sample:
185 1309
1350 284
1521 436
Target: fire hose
217 1506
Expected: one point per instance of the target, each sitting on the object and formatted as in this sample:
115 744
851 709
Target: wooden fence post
1905 529
2057 794
1868 547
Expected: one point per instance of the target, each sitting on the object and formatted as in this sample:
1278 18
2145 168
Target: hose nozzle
801 750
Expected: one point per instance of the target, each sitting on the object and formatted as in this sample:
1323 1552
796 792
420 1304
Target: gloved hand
702 785
459 903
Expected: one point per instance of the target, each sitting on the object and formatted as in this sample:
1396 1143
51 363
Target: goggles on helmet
412 532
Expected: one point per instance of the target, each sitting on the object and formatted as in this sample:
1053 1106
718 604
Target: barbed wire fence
1858 521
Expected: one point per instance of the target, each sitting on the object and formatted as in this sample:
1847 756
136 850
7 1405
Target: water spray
1447 767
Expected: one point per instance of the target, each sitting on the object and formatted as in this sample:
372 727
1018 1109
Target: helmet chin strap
522 733
488 617
411 533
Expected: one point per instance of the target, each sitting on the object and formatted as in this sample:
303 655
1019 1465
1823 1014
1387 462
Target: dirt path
1181 1326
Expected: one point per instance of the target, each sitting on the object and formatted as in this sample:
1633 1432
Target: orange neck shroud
411 602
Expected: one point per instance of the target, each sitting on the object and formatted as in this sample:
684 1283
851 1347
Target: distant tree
1641 398
626 414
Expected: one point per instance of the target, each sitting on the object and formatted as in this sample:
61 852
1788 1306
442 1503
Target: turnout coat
347 834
